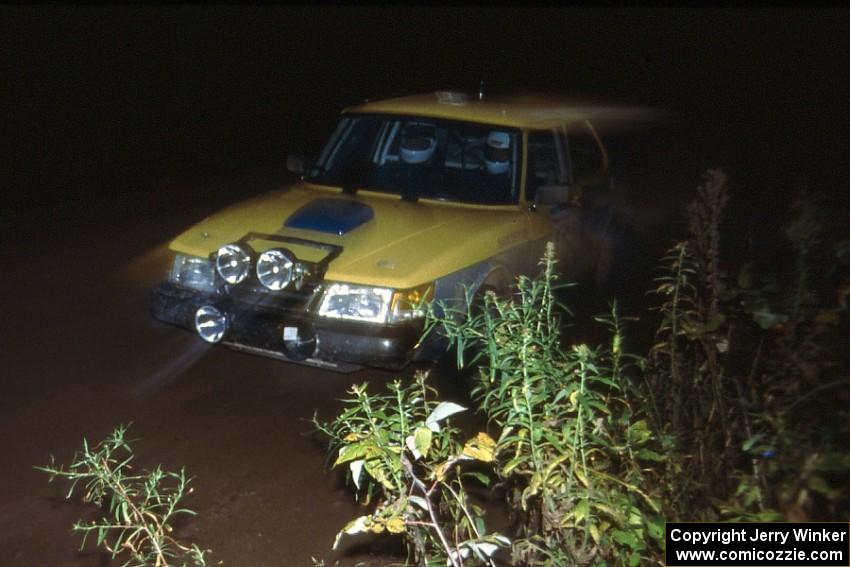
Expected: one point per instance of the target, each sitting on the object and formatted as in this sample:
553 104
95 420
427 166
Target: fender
492 272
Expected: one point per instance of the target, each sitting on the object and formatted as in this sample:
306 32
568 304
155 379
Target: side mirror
550 195
296 163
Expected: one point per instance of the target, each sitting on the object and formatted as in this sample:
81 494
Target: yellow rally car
411 198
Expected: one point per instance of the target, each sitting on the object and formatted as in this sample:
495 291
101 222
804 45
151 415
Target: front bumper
340 345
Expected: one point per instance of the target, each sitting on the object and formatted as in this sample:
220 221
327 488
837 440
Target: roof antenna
481 90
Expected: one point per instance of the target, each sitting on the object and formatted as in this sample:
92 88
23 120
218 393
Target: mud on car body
411 198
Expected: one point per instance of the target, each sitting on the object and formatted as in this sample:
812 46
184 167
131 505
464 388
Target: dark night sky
101 101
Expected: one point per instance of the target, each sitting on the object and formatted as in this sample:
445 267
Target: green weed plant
139 508
748 374
574 452
405 459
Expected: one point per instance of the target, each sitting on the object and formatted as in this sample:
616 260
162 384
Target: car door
547 185
565 165
597 199
588 164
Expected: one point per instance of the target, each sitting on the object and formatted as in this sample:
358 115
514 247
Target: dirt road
81 355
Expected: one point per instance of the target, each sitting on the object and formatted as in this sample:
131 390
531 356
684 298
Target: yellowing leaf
375 469
581 510
594 533
377 528
533 487
353 452
440 471
481 448
512 464
395 525
580 476
422 440
356 525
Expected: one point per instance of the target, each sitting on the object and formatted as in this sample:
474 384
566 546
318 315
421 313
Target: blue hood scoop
333 216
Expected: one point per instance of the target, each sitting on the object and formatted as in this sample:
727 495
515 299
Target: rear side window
585 154
547 163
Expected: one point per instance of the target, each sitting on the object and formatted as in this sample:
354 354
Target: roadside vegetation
738 411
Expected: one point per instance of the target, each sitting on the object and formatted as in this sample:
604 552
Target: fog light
232 263
210 323
275 268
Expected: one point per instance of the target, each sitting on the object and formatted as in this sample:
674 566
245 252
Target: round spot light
275 268
232 263
210 323
299 341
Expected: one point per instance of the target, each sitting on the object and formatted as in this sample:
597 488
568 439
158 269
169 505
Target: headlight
360 303
275 268
232 263
374 304
194 272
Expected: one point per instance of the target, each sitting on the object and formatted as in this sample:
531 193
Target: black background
103 105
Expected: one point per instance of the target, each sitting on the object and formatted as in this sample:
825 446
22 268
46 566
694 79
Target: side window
546 161
585 154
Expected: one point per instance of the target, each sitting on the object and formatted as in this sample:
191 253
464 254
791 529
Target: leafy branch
399 448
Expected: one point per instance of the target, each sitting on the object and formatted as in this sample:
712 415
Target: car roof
525 111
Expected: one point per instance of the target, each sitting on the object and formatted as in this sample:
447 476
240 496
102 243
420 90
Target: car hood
385 241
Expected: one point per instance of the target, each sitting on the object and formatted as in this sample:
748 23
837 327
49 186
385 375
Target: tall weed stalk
698 402
745 371
573 452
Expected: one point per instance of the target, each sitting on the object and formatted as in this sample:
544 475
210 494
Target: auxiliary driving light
232 263
275 268
210 323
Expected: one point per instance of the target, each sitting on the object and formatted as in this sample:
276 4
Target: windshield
421 158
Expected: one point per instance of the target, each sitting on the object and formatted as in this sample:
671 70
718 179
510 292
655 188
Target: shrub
404 456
